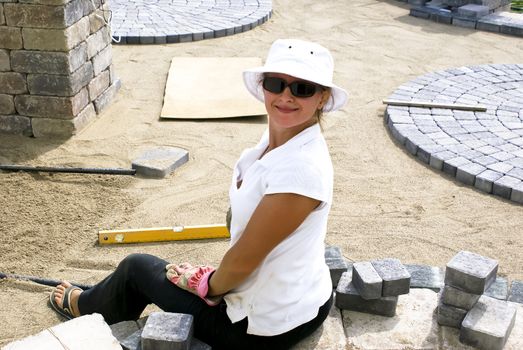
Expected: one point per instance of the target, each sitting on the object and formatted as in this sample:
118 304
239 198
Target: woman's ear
325 94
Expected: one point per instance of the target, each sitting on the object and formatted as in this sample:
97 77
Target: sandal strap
66 306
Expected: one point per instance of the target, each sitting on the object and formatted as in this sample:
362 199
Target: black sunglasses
298 88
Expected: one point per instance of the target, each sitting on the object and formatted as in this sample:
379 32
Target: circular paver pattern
481 149
174 21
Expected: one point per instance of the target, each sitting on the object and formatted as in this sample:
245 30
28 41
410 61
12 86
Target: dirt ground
387 204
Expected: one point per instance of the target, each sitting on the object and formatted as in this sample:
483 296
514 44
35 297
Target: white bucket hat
300 59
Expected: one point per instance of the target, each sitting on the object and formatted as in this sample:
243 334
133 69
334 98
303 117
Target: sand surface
386 203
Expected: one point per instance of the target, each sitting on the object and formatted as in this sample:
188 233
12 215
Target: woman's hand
194 279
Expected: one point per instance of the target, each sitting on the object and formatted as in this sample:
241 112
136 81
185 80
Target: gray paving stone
160 162
124 329
486 179
424 276
450 316
500 167
468 172
366 280
133 341
167 331
503 186
336 263
488 324
348 298
516 292
471 272
458 298
396 278
450 166
517 194
437 159
498 289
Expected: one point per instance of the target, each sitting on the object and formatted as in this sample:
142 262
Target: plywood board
209 88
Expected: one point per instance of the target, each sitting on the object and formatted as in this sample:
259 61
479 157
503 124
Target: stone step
396 278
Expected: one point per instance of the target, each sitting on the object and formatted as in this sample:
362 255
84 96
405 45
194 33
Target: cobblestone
481 149
176 21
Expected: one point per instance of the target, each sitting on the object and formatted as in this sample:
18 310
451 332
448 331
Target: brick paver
175 21
481 149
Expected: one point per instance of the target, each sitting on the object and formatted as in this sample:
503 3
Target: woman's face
288 111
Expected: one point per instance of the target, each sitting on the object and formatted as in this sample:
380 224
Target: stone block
456 3
10 38
15 124
7 105
512 29
160 162
124 329
450 166
471 272
61 128
56 39
96 18
102 60
516 292
98 41
473 11
437 159
44 16
503 186
99 84
106 97
12 83
52 107
488 324
468 172
133 341
46 62
5 62
458 298
396 278
336 263
167 331
366 280
450 316
60 85
419 12
498 289
71 335
2 17
197 344
348 298
424 276
485 180
488 25
464 22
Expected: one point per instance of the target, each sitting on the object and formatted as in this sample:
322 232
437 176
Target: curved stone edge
252 21
403 129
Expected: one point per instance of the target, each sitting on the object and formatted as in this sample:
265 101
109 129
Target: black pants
140 280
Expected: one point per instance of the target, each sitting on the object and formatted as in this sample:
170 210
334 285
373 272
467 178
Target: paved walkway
174 21
481 149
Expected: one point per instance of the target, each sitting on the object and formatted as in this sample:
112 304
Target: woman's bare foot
73 297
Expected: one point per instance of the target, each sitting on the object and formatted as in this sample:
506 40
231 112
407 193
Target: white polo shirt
293 281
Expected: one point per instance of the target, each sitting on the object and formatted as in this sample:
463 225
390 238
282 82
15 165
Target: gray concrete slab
160 162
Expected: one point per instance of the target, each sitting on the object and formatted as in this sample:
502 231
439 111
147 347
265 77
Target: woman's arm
275 218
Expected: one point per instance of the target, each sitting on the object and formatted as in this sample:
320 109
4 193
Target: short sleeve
301 177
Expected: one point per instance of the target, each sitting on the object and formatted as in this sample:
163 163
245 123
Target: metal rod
39 280
429 104
109 171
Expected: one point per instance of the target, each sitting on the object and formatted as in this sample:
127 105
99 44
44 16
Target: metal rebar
107 171
39 280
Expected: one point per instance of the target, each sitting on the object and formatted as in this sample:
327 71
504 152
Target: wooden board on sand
209 88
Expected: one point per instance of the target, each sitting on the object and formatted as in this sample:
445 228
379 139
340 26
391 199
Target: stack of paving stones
485 322
178 21
373 287
488 15
480 149
56 70
158 331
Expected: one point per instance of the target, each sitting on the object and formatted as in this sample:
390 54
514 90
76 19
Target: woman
272 287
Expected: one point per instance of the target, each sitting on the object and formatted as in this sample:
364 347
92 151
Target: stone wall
56 71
